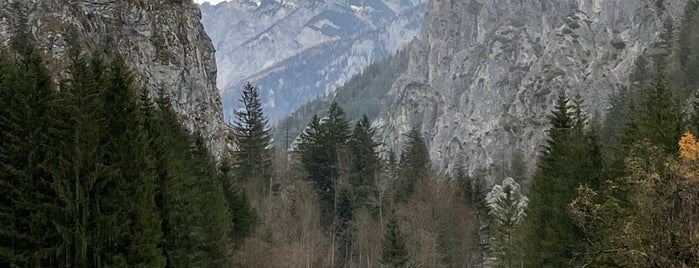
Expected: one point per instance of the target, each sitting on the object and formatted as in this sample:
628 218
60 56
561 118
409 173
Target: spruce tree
132 195
465 182
414 165
568 160
254 152
324 151
660 115
317 161
507 205
244 216
28 202
344 229
78 167
177 196
215 222
365 160
478 201
394 253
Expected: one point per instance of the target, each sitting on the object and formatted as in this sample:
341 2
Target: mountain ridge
270 35
162 42
483 77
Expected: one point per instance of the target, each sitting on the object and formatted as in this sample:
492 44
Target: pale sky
213 2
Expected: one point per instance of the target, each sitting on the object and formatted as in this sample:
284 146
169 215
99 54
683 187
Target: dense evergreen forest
95 172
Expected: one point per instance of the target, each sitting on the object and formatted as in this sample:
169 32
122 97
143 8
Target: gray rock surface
484 74
295 51
162 41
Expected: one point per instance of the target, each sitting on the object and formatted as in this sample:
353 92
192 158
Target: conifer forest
97 171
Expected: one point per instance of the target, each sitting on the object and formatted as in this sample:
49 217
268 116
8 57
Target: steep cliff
162 41
483 76
295 51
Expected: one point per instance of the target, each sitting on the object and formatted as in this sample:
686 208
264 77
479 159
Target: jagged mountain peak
483 76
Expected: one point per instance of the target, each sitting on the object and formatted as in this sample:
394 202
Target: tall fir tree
28 202
254 152
195 216
317 162
507 204
127 155
394 253
552 238
414 165
660 115
215 222
244 215
78 168
344 230
366 163
465 182
324 151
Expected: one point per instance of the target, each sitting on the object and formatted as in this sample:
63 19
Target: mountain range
295 51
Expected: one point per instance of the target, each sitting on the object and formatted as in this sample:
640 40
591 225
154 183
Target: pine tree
324 152
567 161
28 202
254 151
660 115
365 160
243 214
336 140
132 198
317 161
393 250
478 201
465 182
177 185
344 230
215 223
414 165
78 166
507 205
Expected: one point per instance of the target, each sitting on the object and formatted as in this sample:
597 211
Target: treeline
95 174
337 203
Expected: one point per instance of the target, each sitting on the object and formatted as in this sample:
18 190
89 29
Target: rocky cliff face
162 41
295 51
484 74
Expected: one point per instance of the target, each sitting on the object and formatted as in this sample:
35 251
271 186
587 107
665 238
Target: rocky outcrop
295 51
483 76
162 41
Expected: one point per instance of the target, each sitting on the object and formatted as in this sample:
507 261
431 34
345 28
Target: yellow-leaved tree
689 147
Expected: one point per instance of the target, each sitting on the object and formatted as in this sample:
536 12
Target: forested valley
96 172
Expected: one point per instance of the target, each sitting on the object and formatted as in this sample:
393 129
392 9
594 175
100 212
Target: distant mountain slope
297 50
362 94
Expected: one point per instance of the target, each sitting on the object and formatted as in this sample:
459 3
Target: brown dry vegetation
438 226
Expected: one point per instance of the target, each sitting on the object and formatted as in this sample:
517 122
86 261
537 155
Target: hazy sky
210 1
